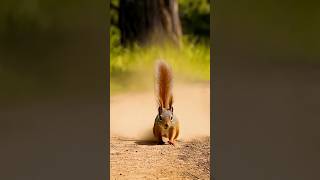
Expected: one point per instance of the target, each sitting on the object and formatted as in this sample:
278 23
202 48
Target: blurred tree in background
148 21
135 21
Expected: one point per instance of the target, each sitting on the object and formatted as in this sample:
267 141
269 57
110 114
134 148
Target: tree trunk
149 21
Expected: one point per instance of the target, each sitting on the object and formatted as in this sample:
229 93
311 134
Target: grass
133 69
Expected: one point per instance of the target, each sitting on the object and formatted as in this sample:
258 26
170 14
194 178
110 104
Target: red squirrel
166 124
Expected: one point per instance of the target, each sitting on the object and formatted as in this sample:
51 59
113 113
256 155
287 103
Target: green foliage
134 68
115 40
195 18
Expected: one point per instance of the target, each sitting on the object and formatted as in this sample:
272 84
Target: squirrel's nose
166 126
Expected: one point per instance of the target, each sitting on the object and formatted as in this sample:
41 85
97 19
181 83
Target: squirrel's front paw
172 143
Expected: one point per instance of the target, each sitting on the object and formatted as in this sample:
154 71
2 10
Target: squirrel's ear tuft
160 109
170 101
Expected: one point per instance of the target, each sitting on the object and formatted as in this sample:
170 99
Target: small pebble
120 174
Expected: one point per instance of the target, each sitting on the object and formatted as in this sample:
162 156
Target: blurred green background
53 87
132 67
48 48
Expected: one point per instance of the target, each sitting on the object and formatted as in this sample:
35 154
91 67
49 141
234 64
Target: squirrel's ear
171 109
170 101
160 109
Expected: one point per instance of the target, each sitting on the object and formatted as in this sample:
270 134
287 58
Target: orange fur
164 83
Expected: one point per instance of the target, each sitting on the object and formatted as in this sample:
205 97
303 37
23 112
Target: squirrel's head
166 116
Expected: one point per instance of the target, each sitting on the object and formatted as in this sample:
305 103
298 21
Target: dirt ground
135 155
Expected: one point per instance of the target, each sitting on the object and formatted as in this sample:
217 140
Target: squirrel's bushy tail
164 80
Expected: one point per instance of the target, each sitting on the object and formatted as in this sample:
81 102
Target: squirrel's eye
171 117
160 117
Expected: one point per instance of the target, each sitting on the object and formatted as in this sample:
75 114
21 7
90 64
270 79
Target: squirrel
166 123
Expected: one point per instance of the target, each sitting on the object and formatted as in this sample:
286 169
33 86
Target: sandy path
134 155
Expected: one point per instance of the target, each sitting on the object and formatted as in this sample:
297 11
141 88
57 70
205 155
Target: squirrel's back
164 78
